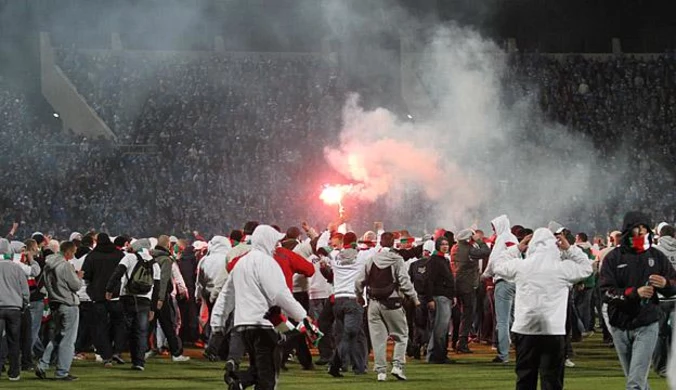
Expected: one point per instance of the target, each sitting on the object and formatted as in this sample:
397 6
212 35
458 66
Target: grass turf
597 369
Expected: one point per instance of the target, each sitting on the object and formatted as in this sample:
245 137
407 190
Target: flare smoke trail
481 151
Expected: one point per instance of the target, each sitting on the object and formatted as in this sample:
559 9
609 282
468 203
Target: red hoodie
290 262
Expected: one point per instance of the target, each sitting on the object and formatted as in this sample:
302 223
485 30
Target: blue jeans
440 321
37 308
635 350
504 298
66 319
349 334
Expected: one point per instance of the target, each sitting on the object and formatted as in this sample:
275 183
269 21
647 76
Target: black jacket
467 265
98 267
440 282
188 267
624 271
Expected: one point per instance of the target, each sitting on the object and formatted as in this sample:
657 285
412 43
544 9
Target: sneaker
108 364
99 359
463 350
180 358
79 356
398 373
587 334
66 378
150 354
117 359
210 356
569 363
382 377
230 376
498 359
40 373
138 368
334 371
17 378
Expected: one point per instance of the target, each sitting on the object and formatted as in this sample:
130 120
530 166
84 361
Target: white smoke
478 154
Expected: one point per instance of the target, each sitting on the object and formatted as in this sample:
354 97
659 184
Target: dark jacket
165 260
98 267
414 253
81 251
625 270
467 263
37 290
441 282
188 267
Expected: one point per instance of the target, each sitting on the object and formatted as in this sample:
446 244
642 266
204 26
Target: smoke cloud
483 149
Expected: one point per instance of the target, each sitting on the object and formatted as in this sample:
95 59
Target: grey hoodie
384 259
61 280
667 245
13 286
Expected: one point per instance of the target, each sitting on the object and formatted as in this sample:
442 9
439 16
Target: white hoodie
211 265
542 282
257 282
503 240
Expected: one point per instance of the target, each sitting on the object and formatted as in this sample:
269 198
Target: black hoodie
441 281
625 270
98 267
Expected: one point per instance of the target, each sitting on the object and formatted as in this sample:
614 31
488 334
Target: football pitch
596 368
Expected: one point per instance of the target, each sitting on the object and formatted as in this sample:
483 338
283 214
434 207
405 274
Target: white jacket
542 280
257 283
503 240
211 266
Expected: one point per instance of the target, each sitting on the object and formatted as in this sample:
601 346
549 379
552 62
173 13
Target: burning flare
333 194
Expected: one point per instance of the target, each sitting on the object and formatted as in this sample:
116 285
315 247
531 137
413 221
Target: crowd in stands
218 125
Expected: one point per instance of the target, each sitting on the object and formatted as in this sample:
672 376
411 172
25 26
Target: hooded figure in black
632 275
98 267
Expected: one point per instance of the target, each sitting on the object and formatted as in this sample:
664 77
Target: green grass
597 369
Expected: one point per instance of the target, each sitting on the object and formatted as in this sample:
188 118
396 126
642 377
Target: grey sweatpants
384 322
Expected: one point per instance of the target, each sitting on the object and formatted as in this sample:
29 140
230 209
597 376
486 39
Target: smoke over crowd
246 133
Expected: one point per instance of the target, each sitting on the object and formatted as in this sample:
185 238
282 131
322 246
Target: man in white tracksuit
551 266
257 284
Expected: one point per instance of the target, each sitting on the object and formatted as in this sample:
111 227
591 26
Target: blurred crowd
218 125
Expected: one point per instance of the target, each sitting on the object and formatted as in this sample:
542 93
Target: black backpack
420 275
141 280
381 283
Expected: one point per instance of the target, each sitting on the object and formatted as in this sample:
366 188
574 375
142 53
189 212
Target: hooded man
631 276
470 249
387 282
62 284
542 279
210 267
99 265
504 291
440 291
259 283
237 251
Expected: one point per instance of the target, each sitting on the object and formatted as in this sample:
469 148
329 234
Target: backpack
420 275
141 280
380 283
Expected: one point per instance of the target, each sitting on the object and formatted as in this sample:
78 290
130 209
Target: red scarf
640 243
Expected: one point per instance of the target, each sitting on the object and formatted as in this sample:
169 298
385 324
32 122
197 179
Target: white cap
75 236
428 246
